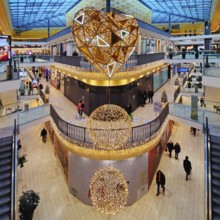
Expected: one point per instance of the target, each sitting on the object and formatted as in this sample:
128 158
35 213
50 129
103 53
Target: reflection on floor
182 200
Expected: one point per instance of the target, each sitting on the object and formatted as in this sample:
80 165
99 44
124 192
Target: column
108 5
207 41
48 28
169 24
139 44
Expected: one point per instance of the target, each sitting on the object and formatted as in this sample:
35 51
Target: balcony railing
133 61
193 54
33 58
33 114
139 133
195 115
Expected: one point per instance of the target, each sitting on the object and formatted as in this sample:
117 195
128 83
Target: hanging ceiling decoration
108 190
105 40
109 127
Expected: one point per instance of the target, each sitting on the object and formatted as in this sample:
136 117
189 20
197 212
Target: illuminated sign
182 69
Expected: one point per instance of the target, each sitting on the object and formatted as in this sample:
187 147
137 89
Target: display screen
5 50
182 69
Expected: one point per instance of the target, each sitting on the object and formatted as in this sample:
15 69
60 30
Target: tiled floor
182 200
42 173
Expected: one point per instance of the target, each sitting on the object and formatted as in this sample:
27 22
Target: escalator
215 176
6 147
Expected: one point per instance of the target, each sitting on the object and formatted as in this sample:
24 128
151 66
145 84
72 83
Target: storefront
57 79
95 96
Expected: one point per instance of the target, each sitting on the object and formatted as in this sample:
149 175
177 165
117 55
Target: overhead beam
178 15
41 20
174 14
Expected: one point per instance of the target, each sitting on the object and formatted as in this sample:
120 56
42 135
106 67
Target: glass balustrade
33 114
214 54
196 115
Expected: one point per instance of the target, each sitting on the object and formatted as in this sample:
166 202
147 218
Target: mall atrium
109 110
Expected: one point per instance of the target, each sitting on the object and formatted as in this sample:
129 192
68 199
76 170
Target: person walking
202 101
170 148
43 134
187 166
79 108
150 95
161 181
82 107
177 150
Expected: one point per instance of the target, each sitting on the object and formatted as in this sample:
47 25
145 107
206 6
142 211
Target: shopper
128 109
43 134
177 150
79 108
193 131
47 74
202 101
19 144
82 108
150 95
161 181
170 148
187 166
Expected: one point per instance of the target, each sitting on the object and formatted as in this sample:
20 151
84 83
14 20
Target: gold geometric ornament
109 127
108 190
105 40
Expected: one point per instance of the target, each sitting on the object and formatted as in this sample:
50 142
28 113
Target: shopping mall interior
109 110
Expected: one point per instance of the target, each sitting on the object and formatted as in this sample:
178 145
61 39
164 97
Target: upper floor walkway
145 122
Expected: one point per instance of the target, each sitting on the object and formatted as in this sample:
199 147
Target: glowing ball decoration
106 40
108 190
109 127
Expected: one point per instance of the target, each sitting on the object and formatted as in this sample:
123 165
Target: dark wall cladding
95 96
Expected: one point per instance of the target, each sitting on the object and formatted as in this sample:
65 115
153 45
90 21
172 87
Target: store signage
182 69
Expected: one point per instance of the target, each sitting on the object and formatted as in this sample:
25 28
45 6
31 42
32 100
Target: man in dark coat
161 181
177 149
150 95
43 134
187 166
170 147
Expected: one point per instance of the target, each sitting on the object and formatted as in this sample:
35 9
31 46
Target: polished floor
182 199
43 173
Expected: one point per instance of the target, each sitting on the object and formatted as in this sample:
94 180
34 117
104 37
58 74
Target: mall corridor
182 199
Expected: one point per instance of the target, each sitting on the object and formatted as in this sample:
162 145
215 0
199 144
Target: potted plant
28 202
22 160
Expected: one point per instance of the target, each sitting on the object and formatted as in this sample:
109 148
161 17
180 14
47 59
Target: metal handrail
79 133
208 210
14 173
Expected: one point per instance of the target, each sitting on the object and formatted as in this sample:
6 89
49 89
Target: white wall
212 93
9 85
81 170
211 81
8 97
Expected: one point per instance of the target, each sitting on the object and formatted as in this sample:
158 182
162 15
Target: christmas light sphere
109 127
108 190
